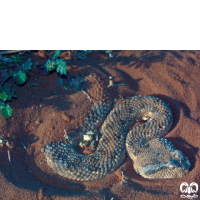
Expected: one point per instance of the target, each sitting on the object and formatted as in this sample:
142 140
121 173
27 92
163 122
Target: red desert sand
44 110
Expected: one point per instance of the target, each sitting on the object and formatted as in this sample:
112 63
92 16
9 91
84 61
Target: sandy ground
41 113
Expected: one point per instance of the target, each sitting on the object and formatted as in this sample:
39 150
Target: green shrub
6 111
57 64
19 77
3 96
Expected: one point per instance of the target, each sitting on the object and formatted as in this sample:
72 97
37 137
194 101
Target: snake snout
180 160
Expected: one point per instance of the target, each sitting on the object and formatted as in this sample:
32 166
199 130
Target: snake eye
176 155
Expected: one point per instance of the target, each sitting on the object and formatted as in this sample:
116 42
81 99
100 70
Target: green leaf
61 67
17 59
6 111
9 91
3 65
89 51
50 65
56 54
2 105
3 96
4 59
11 72
19 77
27 65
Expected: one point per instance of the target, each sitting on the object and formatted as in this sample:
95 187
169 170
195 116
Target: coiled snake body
152 155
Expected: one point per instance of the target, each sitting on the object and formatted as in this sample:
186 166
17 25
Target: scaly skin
152 155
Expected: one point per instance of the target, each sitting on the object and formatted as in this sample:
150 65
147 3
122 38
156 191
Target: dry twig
10 52
9 156
48 54
87 96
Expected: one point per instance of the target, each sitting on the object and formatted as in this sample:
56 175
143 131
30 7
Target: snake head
179 162
160 159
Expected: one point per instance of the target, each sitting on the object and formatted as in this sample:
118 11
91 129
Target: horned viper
152 155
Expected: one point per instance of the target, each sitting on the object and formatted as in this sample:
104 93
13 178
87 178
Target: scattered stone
37 122
66 55
82 144
90 133
87 138
1 142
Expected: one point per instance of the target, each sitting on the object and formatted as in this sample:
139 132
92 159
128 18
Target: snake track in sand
152 155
